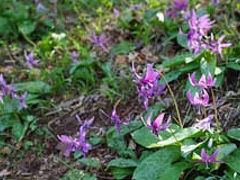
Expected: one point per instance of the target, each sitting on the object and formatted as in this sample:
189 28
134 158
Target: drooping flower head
199 98
116 12
31 61
100 41
205 158
205 124
204 82
71 144
158 124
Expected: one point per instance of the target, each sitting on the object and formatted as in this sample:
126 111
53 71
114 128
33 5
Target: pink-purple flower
176 7
199 98
158 124
71 144
205 158
147 85
22 100
74 56
205 124
6 89
204 82
31 61
100 41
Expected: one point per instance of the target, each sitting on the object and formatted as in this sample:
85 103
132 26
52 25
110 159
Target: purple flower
22 100
100 41
74 57
40 8
198 27
116 119
217 46
116 12
201 98
204 82
31 61
215 2
136 7
79 143
205 124
147 85
180 5
205 158
157 125
6 89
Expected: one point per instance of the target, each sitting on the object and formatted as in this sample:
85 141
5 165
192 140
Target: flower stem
215 109
174 101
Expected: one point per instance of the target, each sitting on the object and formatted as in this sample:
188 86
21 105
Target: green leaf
189 146
123 47
159 165
233 160
27 27
170 76
176 60
90 162
225 149
234 66
122 163
234 133
121 173
182 40
38 87
75 174
178 136
144 137
173 172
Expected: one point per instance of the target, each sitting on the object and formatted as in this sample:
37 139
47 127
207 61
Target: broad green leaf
178 136
174 171
144 137
182 40
27 27
122 163
154 165
176 60
75 174
170 76
234 66
121 173
225 149
233 160
90 162
38 87
234 133
208 66
189 146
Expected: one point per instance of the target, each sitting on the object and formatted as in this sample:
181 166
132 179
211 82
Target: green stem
174 101
215 110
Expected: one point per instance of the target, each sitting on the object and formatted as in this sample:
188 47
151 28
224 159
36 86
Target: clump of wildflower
100 41
31 61
197 35
204 81
205 158
158 125
198 27
72 144
148 86
9 90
